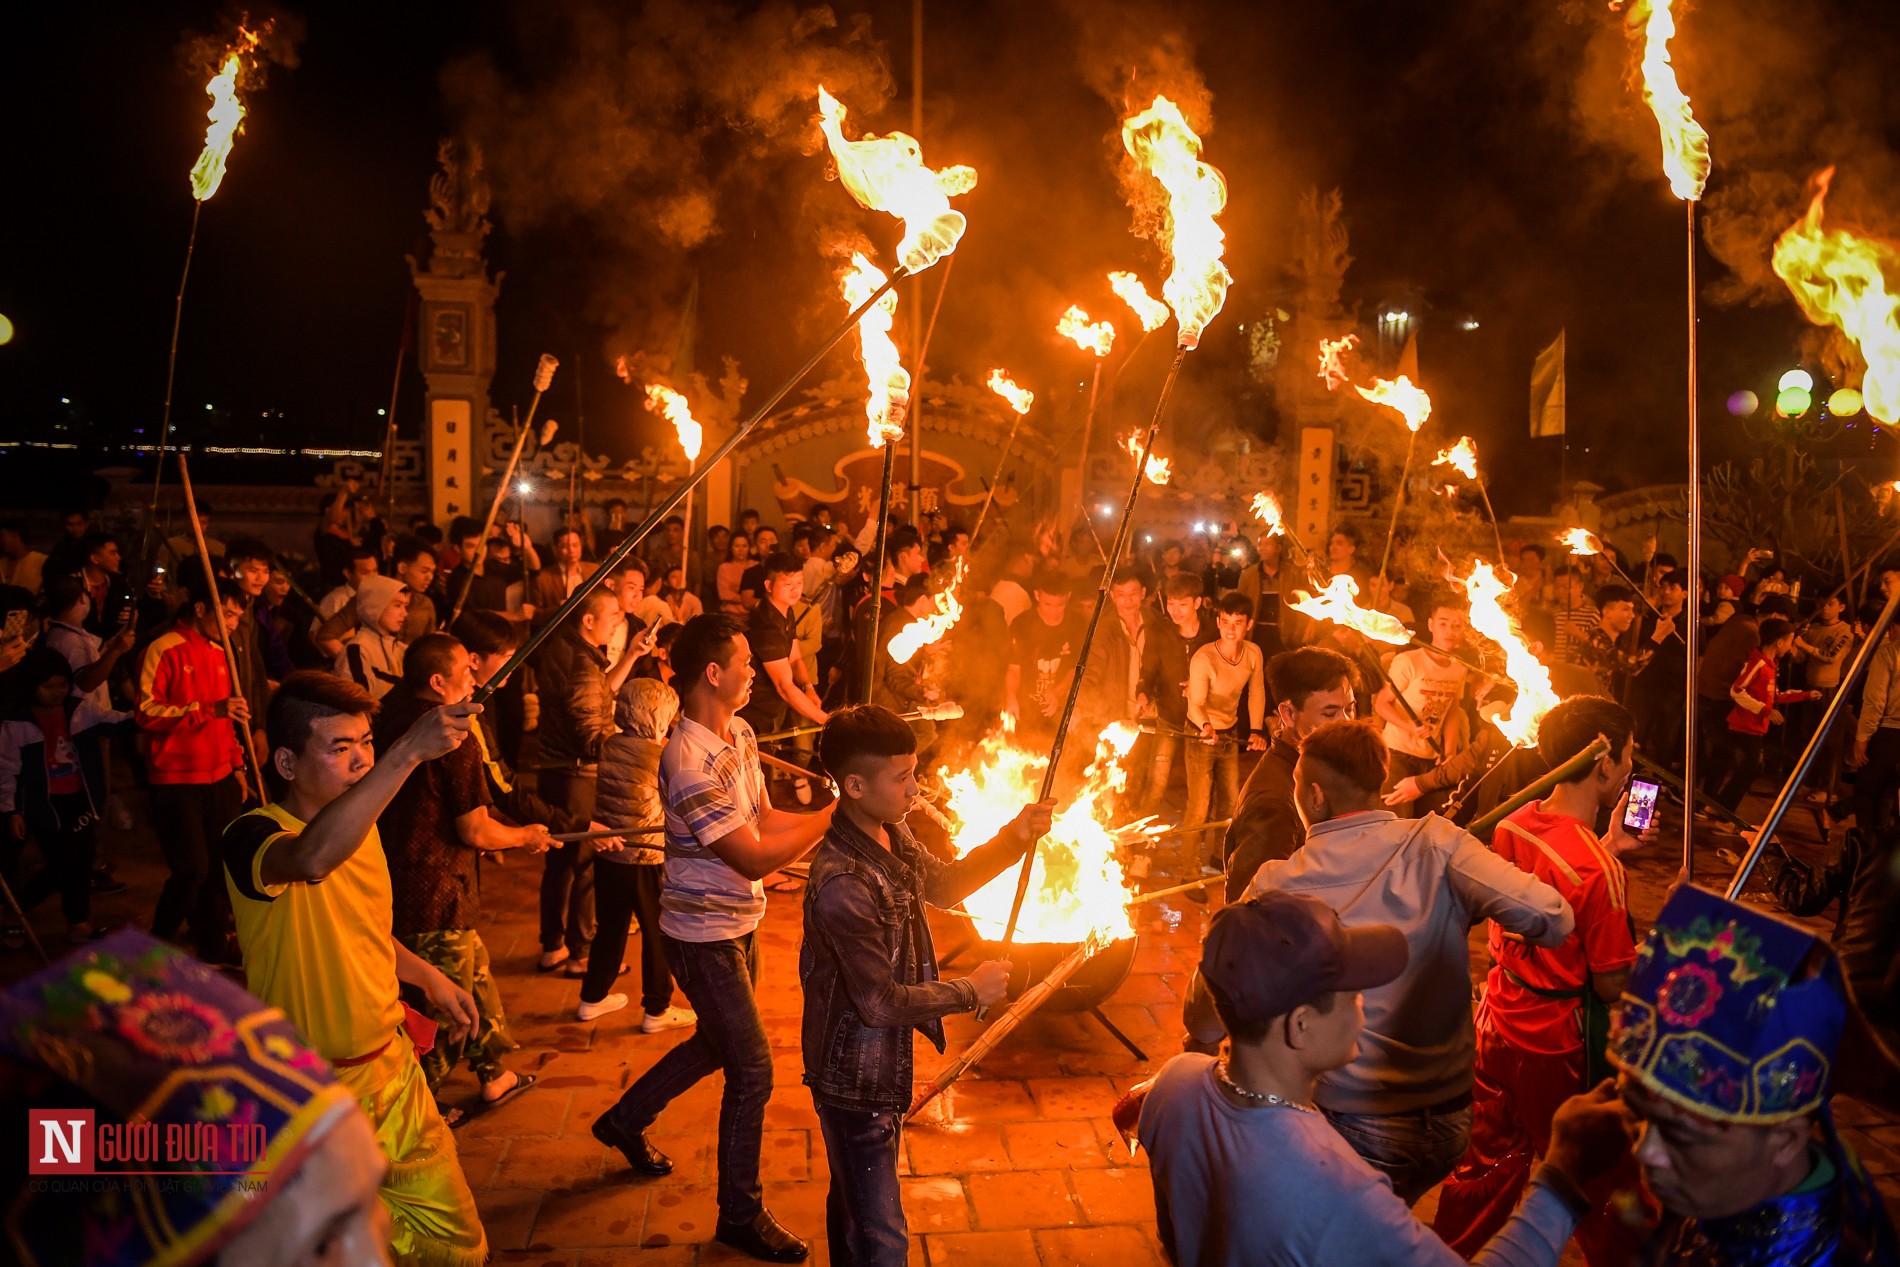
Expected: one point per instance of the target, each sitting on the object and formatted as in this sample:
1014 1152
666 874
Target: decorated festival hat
223 1099
1731 1013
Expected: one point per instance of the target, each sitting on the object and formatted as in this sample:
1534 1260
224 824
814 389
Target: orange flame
1332 360
1582 541
1462 456
669 402
1158 470
1411 403
1151 312
1019 398
226 115
1161 142
890 381
1841 279
1097 338
925 630
1534 694
1076 887
1266 507
888 174
1685 145
1336 603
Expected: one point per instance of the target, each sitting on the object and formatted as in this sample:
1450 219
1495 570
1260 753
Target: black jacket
1859 872
577 705
1266 824
1164 667
868 966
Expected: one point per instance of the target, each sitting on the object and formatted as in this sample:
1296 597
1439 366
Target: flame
1581 541
1332 360
1335 603
888 174
226 115
925 630
1411 403
1076 888
1019 398
890 381
1161 142
669 402
1534 694
1266 507
1158 470
1152 313
1463 456
1840 279
1685 145
1097 338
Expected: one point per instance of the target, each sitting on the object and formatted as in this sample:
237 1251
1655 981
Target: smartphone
1642 806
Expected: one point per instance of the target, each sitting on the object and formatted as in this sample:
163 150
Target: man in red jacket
186 708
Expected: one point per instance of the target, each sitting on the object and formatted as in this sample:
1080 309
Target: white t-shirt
1431 688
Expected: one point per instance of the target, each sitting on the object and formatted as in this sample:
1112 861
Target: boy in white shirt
1219 675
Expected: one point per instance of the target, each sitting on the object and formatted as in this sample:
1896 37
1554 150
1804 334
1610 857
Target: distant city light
382 413
65 400
1469 323
524 488
207 408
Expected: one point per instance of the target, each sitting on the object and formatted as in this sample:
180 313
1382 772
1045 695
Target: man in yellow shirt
324 953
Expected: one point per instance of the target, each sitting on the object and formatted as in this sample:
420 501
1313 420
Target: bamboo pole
171 360
1398 504
674 498
387 467
1598 747
929 712
989 494
1691 635
877 570
1155 895
224 636
1785 797
1032 998
544 375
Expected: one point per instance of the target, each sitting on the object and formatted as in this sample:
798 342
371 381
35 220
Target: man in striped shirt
1544 1010
722 839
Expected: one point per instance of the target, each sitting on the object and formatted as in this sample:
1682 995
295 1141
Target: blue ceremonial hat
1730 1013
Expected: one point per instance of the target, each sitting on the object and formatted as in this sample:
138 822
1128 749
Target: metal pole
171 361
1785 797
224 636
1692 634
1398 503
678 495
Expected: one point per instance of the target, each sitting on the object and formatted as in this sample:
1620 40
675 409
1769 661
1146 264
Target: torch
1685 157
1336 602
1020 399
691 435
543 376
1583 542
1149 311
1463 457
1097 337
1413 406
886 174
1162 144
226 120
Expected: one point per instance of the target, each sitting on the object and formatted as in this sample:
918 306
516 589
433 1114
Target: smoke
278 33
642 132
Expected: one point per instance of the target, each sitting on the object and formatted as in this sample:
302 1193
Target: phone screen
1642 806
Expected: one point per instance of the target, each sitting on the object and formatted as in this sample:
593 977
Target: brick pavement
1015 1165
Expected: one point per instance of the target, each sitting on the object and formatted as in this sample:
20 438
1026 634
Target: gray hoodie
629 789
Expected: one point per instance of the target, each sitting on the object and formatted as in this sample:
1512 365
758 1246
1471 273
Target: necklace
1257 1097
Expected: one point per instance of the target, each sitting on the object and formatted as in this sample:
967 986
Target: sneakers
118 817
765 1238
612 1003
672 1018
642 1156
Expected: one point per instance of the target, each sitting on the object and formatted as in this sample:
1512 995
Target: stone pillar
457 333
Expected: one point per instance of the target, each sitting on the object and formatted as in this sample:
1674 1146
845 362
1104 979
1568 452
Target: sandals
523 1081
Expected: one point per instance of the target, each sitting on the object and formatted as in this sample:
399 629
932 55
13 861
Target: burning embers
1076 889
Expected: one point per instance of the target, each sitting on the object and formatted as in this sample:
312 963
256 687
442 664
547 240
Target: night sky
1489 157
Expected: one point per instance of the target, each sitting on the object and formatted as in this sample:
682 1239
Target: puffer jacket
577 705
629 791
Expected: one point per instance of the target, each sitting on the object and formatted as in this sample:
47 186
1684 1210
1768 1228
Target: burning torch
1463 458
1020 399
691 435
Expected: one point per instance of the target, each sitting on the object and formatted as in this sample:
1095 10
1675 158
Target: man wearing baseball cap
1245 1168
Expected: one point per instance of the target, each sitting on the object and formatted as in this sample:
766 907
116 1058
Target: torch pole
990 494
387 470
224 635
1691 635
494 508
1495 530
1088 431
171 360
686 543
1569 770
1398 503
1785 797
877 571
1122 532
678 495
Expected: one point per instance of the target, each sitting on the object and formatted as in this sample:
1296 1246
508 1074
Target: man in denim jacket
870 971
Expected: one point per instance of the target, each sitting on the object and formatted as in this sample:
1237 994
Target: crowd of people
324 791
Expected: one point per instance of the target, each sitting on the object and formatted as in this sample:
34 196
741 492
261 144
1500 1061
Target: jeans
1162 768
1741 761
718 978
191 818
1403 765
623 890
66 852
1414 1150
1210 768
567 875
864 1215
